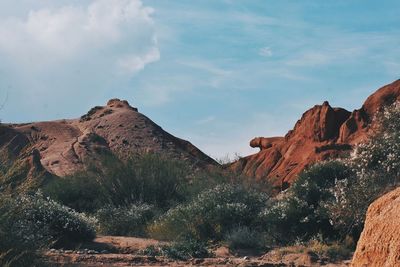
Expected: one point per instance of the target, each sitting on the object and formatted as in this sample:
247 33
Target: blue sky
215 72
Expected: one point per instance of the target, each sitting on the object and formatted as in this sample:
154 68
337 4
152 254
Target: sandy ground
125 251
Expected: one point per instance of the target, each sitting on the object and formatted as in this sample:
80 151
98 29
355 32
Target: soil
125 251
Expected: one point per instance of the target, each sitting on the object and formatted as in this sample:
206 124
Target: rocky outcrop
64 146
265 143
323 132
20 166
379 244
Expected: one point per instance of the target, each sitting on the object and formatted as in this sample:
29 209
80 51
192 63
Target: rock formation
379 244
62 147
323 132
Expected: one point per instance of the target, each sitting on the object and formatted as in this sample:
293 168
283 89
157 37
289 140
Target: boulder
379 244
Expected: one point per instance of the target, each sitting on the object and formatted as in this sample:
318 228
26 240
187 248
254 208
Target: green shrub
244 238
37 218
80 192
299 214
149 178
186 249
376 164
211 214
182 250
334 251
125 221
331 198
15 249
29 223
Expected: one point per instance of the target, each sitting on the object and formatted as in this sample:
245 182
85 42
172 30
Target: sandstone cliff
379 244
323 132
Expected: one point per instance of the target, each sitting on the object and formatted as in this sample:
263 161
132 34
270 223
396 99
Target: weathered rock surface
323 132
379 244
63 146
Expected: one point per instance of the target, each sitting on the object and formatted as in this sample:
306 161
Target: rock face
323 132
63 146
379 244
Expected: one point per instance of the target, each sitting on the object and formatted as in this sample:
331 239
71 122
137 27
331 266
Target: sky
214 72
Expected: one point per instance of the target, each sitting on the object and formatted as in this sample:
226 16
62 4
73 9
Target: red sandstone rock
323 132
379 244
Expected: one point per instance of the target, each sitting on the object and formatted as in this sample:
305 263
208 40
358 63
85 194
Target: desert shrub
186 249
80 192
39 218
299 214
244 238
181 250
149 178
211 214
331 198
377 167
318 248
334 251
125 221
30 222
16 249
14 171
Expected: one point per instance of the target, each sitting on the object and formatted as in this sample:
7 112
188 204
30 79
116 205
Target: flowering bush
211 214
127 221
377 168
299 214
14 249
37 218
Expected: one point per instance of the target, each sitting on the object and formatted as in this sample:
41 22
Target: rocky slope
379 244
323 132
62 147
20 166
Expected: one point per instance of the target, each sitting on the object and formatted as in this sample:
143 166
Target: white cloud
135 63
73 53
120 31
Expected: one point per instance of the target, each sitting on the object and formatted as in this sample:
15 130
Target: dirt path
125 251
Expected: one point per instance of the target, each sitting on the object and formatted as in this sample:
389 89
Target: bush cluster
38 218
331 198
211 214
301 213
377 167
149 178
181 250
31 222
244 238
125 221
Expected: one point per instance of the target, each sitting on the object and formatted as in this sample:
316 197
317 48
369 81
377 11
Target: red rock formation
323 132
63 146
379 244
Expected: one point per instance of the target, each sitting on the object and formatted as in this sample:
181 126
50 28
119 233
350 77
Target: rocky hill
379 244
323 132
62 147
